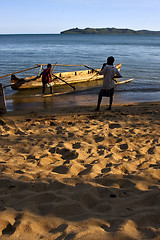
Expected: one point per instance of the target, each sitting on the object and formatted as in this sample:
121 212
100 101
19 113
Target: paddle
64 81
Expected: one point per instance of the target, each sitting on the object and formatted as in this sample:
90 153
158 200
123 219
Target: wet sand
72 173
80 99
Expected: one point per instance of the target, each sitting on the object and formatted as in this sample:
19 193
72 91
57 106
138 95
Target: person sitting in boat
109 71
47 78
16 79
16 82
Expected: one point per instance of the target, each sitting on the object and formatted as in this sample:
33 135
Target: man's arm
103 70
104 64
117 75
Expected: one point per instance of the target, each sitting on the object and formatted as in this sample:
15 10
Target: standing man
109 72
47 78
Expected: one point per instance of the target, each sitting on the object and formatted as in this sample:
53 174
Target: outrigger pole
62 65
18 72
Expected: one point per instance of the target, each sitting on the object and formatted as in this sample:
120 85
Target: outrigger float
59 79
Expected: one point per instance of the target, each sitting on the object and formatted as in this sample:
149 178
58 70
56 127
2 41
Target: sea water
139 55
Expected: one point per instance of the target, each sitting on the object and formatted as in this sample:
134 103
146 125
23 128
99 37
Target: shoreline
73 173
59 109
73 99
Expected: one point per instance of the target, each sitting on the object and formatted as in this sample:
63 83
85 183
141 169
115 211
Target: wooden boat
59 79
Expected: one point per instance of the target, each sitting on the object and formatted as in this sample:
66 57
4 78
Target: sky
54 16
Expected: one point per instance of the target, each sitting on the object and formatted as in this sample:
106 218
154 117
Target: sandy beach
72 173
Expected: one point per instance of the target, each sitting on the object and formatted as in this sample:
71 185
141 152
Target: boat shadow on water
63 96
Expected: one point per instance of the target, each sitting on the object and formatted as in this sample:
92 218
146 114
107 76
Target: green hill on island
109 31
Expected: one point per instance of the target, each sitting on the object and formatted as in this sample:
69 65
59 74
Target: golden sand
81 175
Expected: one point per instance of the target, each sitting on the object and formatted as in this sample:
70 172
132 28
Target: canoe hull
70 77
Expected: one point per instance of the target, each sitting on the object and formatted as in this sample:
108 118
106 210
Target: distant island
109 31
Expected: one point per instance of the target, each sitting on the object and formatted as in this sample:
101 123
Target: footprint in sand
4 126
67 154
52 123
151 150
19 171
114 125
106 170
98 138
19 132
76 145
101 150
86 171
2 122
9 227
119 140
61 169
59 130
60 228
123 147
70 135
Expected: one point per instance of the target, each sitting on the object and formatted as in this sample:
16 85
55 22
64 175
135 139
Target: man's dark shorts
106 93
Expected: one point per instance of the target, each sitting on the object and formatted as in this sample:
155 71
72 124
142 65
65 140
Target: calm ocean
139 55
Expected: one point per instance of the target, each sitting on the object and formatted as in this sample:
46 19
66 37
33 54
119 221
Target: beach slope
77 174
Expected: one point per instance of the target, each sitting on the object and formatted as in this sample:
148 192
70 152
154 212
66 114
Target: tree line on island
109 31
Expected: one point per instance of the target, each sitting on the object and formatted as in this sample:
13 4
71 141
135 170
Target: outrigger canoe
59 79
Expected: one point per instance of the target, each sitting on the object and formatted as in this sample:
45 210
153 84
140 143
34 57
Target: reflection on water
78 98
86 94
